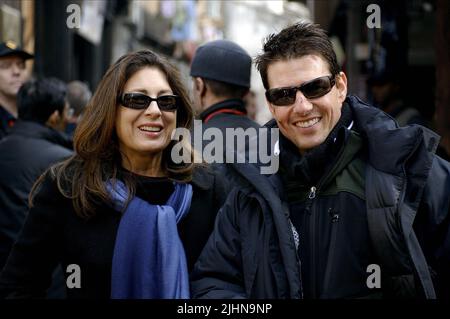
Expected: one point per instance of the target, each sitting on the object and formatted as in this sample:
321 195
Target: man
12 75
78 95
221 74
387 95
358 209
33 145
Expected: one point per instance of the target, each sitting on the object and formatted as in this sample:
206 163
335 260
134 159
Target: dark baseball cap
224 61
10 48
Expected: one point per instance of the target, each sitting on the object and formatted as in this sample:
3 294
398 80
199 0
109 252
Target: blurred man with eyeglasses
358 209
12 75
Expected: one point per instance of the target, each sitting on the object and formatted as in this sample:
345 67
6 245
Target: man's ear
341 85
54 119
203 88
199 85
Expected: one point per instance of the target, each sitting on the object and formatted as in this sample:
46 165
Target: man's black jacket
252 251
228 114
25 154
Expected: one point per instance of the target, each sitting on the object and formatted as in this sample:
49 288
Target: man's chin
12 94
309 145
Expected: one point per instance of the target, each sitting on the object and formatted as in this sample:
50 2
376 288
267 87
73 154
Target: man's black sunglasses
311 90
140 101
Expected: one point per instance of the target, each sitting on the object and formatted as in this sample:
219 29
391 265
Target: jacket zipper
312 230
330 260
312 224
311 196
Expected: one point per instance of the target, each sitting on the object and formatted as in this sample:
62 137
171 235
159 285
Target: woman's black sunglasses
140 101
311 90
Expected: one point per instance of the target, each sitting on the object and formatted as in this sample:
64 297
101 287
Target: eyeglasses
139 101
311 90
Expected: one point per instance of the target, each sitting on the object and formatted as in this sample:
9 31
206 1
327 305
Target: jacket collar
39 131
310 167
389 146
5 114
233 104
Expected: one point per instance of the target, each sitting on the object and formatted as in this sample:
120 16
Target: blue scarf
149 259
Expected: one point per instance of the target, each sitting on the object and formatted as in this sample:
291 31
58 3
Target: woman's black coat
53 234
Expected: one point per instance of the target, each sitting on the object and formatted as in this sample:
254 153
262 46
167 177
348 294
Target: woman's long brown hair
97 157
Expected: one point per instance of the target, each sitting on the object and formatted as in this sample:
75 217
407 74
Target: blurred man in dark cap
221 73
12 75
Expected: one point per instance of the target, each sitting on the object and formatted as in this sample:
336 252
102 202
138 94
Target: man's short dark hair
37 99
226 90
293 42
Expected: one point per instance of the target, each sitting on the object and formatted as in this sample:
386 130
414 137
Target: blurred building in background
79 39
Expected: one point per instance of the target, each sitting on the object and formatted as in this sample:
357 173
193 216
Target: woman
123 220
